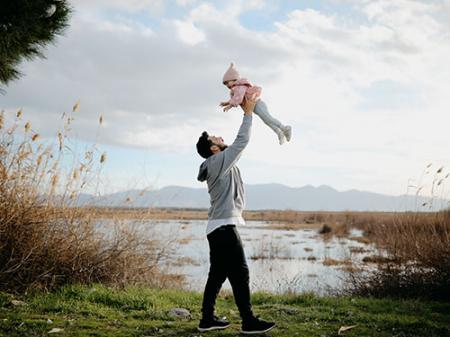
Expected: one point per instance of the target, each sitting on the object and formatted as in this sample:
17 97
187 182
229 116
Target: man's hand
248 105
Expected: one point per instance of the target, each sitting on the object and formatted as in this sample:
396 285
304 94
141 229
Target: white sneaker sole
257 332
213 328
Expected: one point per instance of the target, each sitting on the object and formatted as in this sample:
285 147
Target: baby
240 88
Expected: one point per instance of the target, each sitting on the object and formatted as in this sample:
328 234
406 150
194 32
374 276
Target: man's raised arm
232 154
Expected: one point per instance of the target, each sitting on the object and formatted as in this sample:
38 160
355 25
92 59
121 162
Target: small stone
49 321
54 330
179 313
17 303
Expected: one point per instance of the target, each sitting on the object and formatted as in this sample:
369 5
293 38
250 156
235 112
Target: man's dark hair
204 145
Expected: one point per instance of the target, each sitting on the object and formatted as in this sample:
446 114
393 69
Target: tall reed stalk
44 241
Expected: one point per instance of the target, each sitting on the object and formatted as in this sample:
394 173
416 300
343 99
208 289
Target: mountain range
272 196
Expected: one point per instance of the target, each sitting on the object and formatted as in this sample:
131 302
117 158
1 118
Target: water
277 259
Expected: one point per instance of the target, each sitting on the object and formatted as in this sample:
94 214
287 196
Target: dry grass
358 250
185 241
185 260
349 268
277 219
325 229
360 239
377 259
270 248
291 226
328 261
45 243
417 259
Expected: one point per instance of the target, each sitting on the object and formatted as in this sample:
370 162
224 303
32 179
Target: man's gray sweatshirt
224 180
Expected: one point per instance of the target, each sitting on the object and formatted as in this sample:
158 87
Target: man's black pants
227 259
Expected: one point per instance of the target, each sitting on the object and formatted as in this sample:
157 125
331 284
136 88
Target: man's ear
214 149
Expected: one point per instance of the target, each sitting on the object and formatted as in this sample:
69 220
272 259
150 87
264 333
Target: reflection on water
279 260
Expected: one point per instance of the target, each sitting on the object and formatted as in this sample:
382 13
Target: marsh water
279 260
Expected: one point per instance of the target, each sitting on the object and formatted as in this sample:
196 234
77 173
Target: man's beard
222 147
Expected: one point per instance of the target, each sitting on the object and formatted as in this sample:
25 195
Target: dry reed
415 259
46 243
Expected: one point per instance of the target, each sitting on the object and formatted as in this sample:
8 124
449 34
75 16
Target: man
227 258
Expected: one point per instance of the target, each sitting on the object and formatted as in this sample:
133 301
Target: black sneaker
213 323
256 325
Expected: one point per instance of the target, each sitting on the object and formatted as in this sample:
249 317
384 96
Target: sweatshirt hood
202 172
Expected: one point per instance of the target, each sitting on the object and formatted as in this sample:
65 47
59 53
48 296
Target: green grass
140 311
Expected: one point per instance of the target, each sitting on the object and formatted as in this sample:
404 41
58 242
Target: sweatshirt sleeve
232 153
238 95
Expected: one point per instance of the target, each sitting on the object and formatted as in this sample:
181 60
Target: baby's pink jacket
243 88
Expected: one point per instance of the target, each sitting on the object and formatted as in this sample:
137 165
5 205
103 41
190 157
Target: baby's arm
237 97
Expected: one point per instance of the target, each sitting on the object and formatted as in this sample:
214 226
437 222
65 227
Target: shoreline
281 219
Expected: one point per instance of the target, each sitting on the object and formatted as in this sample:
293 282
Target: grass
96 310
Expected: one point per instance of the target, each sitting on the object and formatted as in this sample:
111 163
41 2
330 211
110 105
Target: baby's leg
263 112
283 131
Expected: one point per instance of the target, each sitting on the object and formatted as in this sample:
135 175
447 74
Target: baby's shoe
287 131
281 137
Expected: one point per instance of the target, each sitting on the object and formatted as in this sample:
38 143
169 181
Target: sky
364 84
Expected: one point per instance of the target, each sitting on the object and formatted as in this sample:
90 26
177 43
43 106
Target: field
282 219
55 260
96 310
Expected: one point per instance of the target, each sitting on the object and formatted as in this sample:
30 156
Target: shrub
45 242
416 262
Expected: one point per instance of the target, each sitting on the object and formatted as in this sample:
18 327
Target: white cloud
184 3
188 33
322 73
154 7
330 75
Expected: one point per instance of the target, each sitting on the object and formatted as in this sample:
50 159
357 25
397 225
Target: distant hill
271 196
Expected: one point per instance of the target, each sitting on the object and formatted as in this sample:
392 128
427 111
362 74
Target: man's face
217 142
